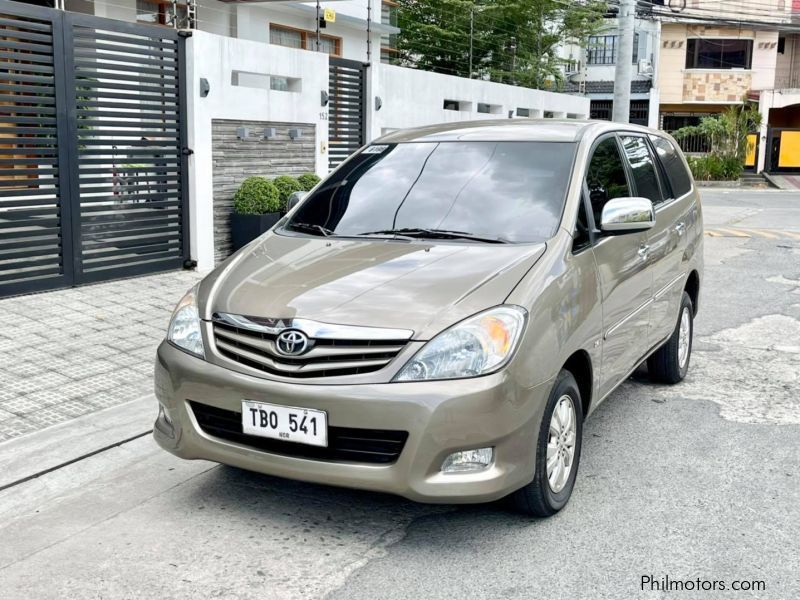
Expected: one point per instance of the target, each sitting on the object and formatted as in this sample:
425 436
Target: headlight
475 346
184 327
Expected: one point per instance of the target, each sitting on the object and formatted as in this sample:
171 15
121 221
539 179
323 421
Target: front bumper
440 417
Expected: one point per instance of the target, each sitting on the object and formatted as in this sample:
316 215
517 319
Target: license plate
287 423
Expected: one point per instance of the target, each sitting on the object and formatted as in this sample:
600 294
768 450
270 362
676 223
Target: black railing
694 144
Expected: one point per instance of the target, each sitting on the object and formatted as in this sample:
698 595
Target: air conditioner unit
645 67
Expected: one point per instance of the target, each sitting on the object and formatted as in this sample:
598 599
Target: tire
667 364
539 498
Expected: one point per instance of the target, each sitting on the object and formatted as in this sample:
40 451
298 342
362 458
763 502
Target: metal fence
693 144
347 124
93 174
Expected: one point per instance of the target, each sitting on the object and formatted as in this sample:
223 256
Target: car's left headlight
476 346
184 326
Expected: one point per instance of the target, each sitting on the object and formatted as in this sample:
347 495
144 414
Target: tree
510 41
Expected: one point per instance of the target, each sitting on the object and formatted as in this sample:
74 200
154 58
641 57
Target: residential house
590 69
715 54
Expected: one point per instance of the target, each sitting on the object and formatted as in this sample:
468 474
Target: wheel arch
580 365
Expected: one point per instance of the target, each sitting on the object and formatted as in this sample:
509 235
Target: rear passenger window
606 176
679 178
644 171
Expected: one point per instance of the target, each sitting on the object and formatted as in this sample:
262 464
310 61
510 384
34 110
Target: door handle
680 228
644 249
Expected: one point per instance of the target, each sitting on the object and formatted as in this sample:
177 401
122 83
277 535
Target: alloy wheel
561 443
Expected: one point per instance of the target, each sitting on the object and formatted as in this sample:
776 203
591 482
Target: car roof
512 130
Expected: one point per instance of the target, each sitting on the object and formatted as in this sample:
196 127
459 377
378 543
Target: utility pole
624 68
472 33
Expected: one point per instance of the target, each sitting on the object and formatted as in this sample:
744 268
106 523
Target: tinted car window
606 176
679 178
642 167
512 190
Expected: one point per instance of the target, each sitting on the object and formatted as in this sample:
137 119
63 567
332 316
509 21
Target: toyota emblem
292 343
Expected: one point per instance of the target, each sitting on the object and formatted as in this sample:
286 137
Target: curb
27 457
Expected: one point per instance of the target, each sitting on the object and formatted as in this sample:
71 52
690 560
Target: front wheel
670 363
558 452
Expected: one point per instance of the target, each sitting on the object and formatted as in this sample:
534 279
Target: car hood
374 283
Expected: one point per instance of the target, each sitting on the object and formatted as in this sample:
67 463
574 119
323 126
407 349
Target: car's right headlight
184 326
476 346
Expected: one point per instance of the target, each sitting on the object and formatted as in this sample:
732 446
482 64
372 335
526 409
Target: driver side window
606 177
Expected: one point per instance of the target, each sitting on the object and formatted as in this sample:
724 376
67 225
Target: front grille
326 358
345 444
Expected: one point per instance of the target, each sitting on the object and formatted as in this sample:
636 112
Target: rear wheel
558 452
670 363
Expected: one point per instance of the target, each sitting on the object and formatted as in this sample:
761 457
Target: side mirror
294 200
627 215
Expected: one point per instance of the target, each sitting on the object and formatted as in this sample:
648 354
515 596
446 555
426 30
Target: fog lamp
468 461
163 414
164 422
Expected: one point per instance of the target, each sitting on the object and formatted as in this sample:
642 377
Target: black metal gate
783 150
347 109
92 169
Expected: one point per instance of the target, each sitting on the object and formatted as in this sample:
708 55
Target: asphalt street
696 481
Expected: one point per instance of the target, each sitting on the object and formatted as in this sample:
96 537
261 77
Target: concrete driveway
698 483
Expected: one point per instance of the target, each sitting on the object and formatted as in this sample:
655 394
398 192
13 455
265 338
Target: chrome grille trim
313 329
252 343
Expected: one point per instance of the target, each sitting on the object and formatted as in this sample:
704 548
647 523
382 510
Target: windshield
508 191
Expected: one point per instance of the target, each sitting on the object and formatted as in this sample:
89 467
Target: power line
714 17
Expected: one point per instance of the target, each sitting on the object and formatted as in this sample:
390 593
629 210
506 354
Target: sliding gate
92 149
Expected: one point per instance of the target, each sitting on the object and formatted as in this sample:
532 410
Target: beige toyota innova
437 318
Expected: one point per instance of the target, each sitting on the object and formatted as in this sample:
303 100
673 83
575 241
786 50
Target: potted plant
286 186
256 208
308 181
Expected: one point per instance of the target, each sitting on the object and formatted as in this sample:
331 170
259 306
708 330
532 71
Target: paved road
694 481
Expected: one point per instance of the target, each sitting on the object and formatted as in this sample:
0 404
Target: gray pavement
698 480
70 352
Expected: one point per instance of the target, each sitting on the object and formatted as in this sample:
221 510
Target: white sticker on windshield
375 149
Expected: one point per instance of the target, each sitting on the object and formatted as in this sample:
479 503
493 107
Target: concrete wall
414 98
238 73
216 59
236 159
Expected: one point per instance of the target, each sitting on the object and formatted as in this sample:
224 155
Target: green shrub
308 180
256 196
286 187
715 168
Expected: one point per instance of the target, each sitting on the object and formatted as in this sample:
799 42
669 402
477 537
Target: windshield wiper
311 228
421 232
